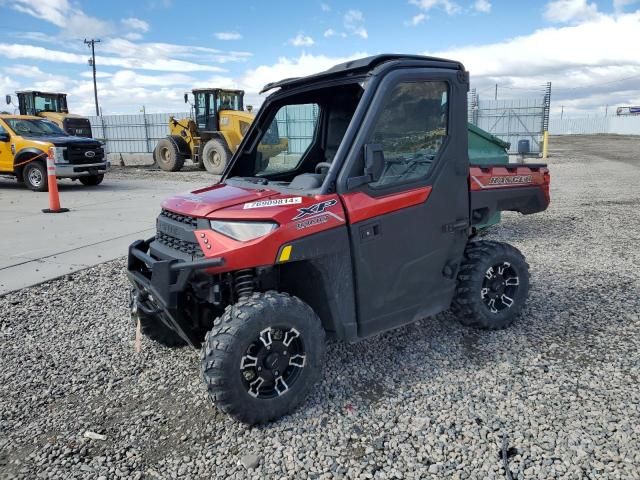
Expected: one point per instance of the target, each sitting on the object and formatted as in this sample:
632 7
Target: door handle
369 232
455 226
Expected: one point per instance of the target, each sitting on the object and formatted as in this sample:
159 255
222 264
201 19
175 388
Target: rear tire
262 357
167 156
493 284
215 156
34 175
91 180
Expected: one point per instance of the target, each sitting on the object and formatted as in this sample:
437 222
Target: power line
598 84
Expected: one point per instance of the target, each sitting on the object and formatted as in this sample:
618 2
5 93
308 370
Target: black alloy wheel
273 362
500 287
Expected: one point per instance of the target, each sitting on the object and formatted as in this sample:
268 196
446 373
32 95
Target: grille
76 154
176 217
179 234
190 248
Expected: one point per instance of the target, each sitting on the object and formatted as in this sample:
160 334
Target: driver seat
338 121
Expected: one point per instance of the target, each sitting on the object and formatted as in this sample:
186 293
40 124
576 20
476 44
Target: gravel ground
558 390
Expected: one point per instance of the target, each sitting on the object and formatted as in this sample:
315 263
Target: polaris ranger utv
366 226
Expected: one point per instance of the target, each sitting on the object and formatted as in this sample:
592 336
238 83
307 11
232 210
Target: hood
66 140
200 203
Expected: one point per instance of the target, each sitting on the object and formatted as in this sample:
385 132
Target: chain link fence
513 119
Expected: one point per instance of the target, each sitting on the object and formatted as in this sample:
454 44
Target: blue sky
151 51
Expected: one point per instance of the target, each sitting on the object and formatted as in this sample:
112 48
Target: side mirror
4 137
8 99
373 161
373 166
186 98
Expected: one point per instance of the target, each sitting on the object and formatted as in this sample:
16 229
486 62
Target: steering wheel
322 165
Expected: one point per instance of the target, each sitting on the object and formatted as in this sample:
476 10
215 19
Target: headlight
58 155
243 231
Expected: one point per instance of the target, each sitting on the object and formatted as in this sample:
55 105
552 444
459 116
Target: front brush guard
164 280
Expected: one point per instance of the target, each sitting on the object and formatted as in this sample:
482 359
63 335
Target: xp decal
314 209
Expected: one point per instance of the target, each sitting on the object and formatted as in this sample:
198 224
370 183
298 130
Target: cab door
408 228
6 156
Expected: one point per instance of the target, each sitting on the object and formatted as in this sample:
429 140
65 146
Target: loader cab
208 102
53 106
33 102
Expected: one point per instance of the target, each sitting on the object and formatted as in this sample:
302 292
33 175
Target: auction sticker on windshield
273 203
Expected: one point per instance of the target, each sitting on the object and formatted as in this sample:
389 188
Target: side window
2 129
288 137
411 129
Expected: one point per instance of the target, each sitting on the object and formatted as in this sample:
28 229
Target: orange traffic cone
54 197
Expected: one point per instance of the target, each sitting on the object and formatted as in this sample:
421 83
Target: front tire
262 357
493 284
91 180
215 156
167 156
152 327
34 175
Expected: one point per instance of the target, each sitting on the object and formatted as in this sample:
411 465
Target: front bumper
69 170
159 282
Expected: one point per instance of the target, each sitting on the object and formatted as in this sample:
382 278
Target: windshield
229 101
34 128
294 141
50 103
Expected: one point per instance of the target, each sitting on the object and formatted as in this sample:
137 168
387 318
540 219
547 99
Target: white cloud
129 78
135 24
73 21
417 19
228 35
325 7
27 71
562 11
353 22
580 60
22 51
620 5
306 64
133 36
450 7
482 6
301 40
330 32
159 50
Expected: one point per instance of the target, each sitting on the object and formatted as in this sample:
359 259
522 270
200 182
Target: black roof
363 65
218 90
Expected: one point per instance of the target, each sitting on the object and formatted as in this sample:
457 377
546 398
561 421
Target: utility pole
561 112
496 97
92 62
606 111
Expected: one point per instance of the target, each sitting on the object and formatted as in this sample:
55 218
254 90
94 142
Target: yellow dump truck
211 135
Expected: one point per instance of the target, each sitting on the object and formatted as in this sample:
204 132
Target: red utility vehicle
367 223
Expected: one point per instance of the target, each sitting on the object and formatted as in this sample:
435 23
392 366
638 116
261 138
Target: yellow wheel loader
212 135
52 106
